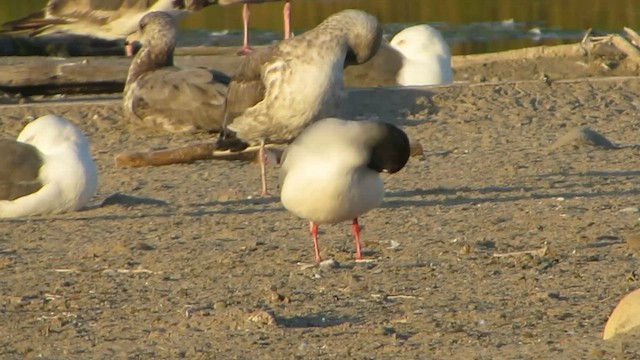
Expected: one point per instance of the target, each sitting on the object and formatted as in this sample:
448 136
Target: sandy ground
191 267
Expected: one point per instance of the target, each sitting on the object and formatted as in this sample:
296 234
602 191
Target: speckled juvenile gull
106 19
330 173
48 169
279 91
426 58
286 12
158 94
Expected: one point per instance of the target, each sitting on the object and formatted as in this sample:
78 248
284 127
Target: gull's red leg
356 238
263 168
246 13
313 229
286 11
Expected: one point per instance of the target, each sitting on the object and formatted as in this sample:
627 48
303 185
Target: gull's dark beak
132 44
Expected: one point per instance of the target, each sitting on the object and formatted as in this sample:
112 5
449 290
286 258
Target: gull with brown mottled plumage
280 90
105 19
159 94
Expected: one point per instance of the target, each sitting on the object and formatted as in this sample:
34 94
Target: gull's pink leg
286 11
263 168
245 23
313 229
356 238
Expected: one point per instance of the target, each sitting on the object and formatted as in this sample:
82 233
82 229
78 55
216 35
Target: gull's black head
390 151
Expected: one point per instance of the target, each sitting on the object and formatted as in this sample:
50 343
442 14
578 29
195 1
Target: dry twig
536 252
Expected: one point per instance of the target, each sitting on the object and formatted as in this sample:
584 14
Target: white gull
48 169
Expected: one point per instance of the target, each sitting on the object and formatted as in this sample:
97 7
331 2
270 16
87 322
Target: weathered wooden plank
91 75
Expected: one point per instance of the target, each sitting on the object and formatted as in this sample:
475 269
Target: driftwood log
47 76
92 75
190 153
207 151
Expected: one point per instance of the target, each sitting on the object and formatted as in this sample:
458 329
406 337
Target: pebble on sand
625 317
584 136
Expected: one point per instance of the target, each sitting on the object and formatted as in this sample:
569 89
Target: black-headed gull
330 173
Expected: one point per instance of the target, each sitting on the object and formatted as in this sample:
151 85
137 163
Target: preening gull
159 94
105 19
426 58
278 91
330 173
286 12
48 169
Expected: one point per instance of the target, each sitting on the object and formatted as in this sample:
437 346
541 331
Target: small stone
265 317
109 272
633 243
329 264
218 305
584 136
465 250
387 330
143 246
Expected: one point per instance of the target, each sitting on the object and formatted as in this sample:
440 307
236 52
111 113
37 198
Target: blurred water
470 26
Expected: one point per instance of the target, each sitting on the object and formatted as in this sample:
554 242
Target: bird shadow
245 201
316 320
501 194
405 100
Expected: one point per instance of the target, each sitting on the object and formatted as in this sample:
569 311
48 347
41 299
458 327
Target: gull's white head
50 133
426 54
419 41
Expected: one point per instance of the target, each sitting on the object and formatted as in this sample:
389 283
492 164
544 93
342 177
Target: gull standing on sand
105 19
246 13
159 94
48 169
330 173
278 91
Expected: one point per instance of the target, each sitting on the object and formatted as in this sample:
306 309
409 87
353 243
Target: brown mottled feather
381 70
107 19
187 96
19 169
247 87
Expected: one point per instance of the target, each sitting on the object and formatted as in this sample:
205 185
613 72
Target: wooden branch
185 154
97 75
48 76
633 36
536 252
566 50
207 151
210 50
191 153
626 47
